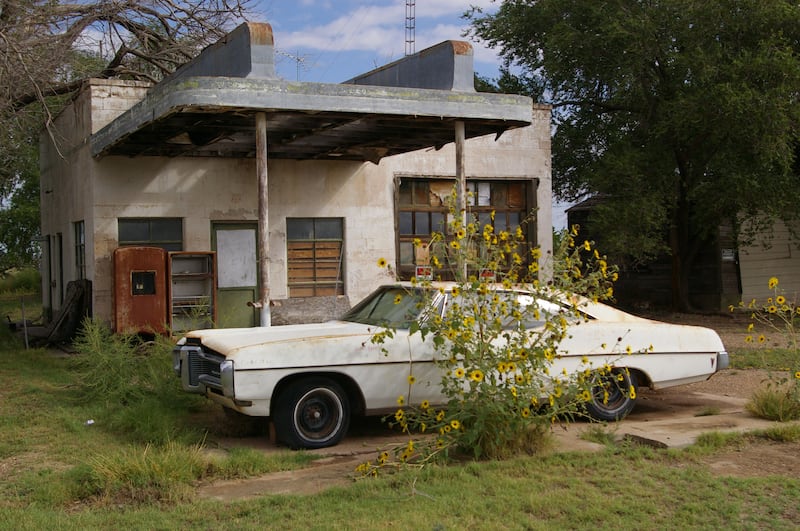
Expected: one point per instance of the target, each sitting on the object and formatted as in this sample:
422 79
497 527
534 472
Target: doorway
237 273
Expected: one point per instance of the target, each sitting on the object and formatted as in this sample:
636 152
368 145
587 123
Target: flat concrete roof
215 116
208 107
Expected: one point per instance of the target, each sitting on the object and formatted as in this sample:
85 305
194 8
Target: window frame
420 205
317 285
79 233
152 240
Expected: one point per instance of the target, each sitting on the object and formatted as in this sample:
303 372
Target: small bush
775 402
776 320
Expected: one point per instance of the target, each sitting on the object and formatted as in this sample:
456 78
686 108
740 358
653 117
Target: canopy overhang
215 117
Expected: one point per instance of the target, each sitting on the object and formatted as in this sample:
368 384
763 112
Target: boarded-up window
315 249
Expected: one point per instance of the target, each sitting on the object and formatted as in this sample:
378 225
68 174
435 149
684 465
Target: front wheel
312 413
613 396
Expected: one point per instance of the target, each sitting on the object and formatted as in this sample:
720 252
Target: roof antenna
411 25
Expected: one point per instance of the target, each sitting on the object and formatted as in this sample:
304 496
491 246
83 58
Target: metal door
237 273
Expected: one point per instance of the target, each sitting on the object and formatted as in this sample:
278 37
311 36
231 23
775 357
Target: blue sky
331 41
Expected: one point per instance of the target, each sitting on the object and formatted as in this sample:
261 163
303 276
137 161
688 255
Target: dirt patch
758 459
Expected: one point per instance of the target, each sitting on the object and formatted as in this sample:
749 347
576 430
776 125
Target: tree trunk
680 248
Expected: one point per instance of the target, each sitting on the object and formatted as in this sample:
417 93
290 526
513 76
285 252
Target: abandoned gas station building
227 188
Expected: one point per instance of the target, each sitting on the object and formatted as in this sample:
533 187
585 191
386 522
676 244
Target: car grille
204 368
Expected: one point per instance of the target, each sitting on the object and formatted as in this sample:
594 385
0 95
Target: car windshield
391 306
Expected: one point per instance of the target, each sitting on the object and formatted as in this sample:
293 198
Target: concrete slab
671 419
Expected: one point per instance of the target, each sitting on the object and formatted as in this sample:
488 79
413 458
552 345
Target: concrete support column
461 185
263 218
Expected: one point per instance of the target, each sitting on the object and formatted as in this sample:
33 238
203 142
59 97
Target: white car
311 378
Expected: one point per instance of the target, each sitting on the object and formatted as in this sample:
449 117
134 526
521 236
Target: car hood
228 341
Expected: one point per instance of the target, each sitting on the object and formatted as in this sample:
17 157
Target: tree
682 115
49 48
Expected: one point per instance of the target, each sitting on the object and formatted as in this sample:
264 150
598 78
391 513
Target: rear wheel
613 395
312 413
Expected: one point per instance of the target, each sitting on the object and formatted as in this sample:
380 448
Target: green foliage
502 396
681 116
26 280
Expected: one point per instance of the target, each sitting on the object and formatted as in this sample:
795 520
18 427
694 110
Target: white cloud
381 28
327 37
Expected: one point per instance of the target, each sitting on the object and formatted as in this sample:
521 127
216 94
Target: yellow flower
459 373
412 379
501 367
750 327
797 375
476 375
587 245
761 338
425 404
525 412
772 309
455 245
780 299
460 234
628 349
401 400
398 298
536 253
632 393
440 416
586 395
748 339
381 262
398 416
455 424
773 283
514 391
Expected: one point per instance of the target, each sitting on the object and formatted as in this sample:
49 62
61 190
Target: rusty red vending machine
140 290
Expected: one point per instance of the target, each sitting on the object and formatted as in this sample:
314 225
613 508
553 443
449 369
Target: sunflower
381 262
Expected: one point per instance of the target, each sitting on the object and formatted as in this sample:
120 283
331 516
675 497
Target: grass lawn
105 439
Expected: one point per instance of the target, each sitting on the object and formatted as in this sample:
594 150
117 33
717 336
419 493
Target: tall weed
132 384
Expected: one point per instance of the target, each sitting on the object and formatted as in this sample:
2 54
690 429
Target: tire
619 402
312 413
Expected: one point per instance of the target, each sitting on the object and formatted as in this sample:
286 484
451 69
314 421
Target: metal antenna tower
411 26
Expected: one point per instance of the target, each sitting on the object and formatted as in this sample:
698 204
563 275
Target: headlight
226 378
176 360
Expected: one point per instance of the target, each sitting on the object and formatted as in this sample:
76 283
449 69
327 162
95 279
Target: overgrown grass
107 426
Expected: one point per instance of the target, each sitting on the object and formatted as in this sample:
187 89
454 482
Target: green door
237 273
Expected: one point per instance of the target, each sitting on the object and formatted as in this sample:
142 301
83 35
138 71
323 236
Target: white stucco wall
205 190
67 178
